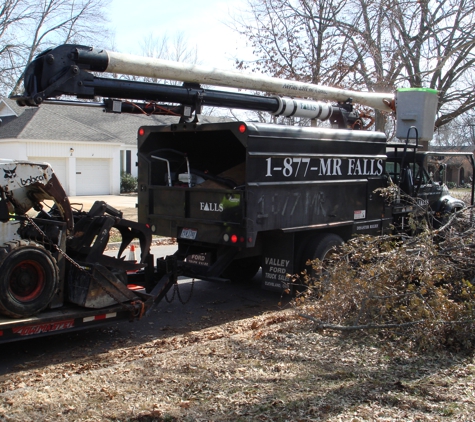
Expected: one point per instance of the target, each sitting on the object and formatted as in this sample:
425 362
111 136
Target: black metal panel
210 149
308 177
313 155
278 133
219 205
168 202
282 206
376 203
295 178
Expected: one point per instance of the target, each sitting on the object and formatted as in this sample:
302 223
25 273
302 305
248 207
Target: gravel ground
270 367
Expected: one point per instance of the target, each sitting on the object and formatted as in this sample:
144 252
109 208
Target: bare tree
176 48
12 14
370 52
294 39
459 131
436 44
374 45
28 27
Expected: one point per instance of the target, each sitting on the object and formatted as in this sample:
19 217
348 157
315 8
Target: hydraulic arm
70 70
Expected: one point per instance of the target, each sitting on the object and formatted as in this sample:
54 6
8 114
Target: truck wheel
29 278
320 247
242 270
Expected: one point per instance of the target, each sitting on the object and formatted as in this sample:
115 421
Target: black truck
238 196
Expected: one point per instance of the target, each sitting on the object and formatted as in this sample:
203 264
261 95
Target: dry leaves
263 368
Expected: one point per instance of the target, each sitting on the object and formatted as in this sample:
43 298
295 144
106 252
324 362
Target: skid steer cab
52 255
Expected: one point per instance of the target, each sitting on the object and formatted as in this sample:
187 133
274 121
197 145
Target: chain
175 288
83 270
189 296
65 255
176 291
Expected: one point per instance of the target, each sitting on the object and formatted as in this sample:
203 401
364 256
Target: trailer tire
320 246
29 278
242 270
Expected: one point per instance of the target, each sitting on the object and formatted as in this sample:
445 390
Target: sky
202 22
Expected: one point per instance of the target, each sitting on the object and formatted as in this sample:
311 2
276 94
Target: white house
87 148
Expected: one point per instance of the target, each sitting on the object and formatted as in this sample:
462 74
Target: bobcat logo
9 174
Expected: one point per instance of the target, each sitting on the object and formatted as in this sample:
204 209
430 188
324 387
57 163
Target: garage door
58 164
92 176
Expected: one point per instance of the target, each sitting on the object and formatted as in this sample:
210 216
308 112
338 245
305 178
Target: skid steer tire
29 278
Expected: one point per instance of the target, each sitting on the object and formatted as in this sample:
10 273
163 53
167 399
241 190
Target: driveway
116 201
125 203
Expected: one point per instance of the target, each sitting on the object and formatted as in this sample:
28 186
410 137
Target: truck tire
242 270
29 278
320 247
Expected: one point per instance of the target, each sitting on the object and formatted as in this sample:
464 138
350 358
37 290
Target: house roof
6 110
76 123
454 148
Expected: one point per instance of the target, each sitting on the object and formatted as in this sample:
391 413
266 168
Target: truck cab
421 176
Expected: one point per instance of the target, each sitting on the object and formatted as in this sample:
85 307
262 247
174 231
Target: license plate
188 234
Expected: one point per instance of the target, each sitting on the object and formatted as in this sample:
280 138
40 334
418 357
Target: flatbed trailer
70 317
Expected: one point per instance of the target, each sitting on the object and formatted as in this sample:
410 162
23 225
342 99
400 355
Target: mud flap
277 261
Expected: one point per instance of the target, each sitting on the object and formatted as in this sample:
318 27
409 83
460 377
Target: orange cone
132 253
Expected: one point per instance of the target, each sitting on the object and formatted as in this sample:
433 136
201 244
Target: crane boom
68 70
166 69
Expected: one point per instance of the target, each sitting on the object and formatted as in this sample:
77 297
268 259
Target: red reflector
135 287
99 317
1 333
242 128
147 225
249 239
241 239
234 238
141 131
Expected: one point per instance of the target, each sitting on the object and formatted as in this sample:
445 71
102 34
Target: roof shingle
79 124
